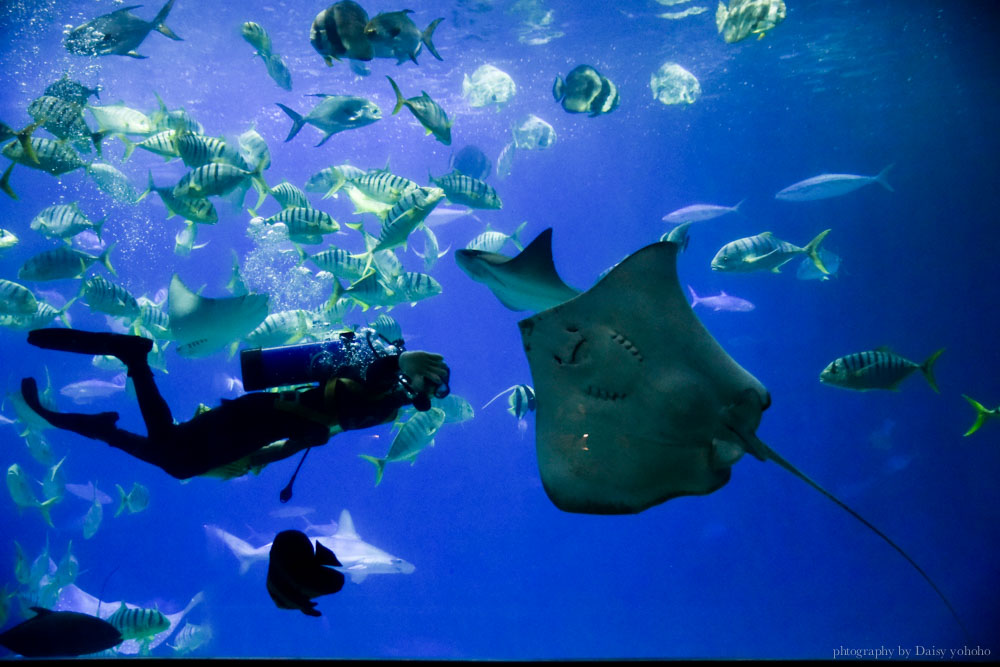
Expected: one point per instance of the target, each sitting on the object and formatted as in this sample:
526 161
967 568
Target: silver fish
831 185
118 33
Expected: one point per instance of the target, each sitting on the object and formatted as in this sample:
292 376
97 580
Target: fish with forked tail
876 369
395 35
117 34
764 252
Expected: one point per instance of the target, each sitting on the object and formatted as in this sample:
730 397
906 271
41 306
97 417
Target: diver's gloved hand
424 370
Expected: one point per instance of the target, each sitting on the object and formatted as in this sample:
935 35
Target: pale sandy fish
831 185
699 212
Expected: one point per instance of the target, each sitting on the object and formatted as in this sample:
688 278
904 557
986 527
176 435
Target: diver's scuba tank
291 364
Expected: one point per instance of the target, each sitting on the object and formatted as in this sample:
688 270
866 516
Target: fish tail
129 146
812 249
557 88
246 554
425 37
880 178
694 297
338 291
927 368
122 497
297 121
379 466
44 509
400 100
24 138
736 209
515 237
5 182
105 259
981 414
160 26
98 226
98 137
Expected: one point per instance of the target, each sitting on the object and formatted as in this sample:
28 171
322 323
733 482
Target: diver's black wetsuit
366 391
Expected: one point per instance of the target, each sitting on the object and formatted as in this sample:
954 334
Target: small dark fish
395 35
339 32
72 91
117 34
472 162
52 634
585 90
295 574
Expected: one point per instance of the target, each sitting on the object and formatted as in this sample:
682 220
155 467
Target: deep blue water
763 568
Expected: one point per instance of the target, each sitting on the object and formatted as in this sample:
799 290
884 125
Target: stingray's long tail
777 458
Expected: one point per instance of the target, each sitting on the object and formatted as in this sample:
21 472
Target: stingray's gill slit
627 344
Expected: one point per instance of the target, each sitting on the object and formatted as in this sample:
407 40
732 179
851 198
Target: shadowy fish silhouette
295 574
52 634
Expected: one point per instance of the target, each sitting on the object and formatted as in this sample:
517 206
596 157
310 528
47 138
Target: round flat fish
586 91
488 85
534 134
672 84
472 162
339 32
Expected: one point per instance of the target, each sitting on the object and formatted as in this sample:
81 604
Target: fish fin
400 100
135 54
297 121
426 35
982 413
812 249
122 496
880 178
499 395
928 370
5 182
160 26
379 466
105 259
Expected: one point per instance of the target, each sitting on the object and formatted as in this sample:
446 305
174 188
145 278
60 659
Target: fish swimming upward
831 185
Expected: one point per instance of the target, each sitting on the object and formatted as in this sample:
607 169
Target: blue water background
765 567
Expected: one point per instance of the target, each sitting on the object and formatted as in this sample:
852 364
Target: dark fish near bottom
295 574
56 634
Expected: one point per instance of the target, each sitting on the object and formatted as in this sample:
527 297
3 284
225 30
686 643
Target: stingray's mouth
604 394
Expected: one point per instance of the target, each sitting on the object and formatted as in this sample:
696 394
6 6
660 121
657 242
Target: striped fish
414 436
177 120
492 240
305 225
119 119
162 143
65 120
104 296
746 17
382 185
764 252
197 150
72 91
191 209
876 369
138 622
411 286
63 263
281 328
153 318
427 111
520 402
368 292
16 299
331 179
63 221
339 262
54 157
472 192
388 329
8 239
217 179
289 196
254 149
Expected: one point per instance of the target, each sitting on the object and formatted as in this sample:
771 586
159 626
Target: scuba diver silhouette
363 381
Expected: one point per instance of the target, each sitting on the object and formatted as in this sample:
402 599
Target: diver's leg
129 349
97 426
132 350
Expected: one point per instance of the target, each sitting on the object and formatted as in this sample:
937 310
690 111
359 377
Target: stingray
204 325
527 281
636 402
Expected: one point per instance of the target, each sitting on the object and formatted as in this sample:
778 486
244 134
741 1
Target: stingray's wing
633 394
527 281
215 322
